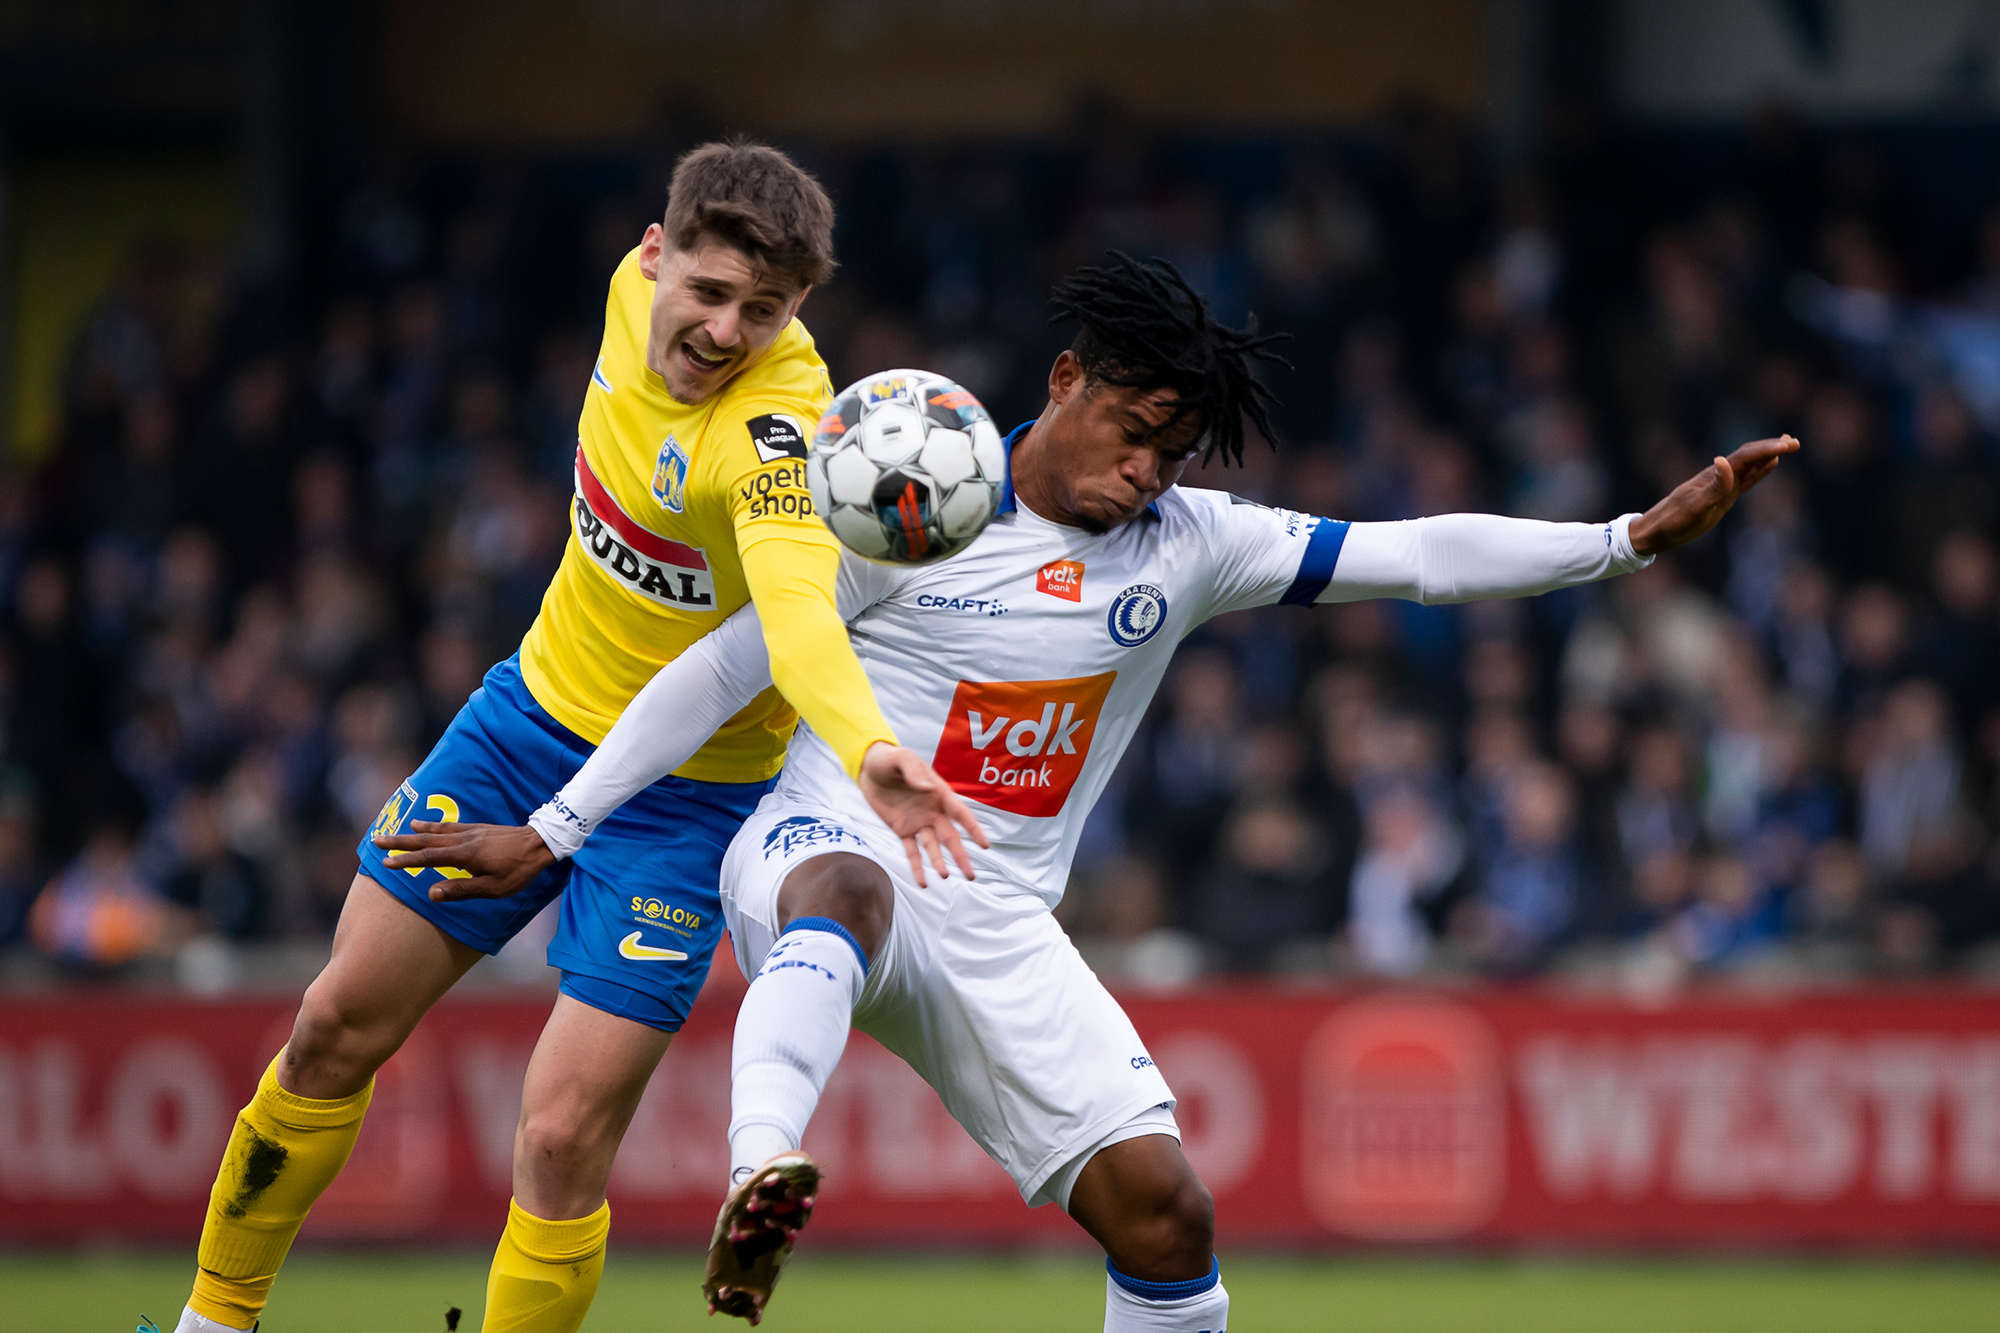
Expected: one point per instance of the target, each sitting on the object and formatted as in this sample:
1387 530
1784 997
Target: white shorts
978 990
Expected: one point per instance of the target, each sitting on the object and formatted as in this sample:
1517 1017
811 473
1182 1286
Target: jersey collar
1014 437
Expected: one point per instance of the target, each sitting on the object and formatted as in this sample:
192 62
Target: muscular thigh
389 966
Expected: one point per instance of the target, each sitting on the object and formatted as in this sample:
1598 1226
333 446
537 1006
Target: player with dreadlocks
1024 664
1142 327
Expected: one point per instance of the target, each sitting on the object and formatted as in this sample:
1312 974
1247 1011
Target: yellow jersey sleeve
812 663
765 480
789 564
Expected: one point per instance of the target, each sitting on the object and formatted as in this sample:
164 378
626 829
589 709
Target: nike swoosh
629 947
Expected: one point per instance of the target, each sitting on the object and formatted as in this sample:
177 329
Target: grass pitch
835 1293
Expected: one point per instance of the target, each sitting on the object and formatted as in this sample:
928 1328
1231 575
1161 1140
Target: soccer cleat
754 1233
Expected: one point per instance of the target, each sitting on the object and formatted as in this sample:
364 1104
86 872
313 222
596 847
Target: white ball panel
892 434
990 449
947 456
850 475
967 510
816 485
859 532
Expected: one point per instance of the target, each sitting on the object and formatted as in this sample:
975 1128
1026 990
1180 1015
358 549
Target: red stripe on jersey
643 540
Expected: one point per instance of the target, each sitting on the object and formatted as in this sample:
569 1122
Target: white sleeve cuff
1625 560
563 829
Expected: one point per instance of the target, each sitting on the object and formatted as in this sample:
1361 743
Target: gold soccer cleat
754 1233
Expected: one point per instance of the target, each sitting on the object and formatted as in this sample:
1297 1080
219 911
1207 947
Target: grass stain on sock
261 1165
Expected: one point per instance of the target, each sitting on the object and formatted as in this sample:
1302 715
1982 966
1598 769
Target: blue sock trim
831 927
1167 1291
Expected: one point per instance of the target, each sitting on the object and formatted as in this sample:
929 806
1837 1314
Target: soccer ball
906 468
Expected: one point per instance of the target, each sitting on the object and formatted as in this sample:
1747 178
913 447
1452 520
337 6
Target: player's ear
1066 378
651 246
797 301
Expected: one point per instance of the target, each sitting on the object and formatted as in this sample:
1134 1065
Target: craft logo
670 476
777 435
1020 745
1061 578
1404 1134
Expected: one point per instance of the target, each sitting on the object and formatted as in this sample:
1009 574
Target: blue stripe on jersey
1316 565
1007 486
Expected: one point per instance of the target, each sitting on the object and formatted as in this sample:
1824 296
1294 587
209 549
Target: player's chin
696 380
1105 515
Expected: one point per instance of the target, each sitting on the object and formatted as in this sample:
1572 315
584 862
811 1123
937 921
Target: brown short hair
753 197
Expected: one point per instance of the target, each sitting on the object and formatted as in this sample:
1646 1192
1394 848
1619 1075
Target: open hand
1699 503
920 808
494 860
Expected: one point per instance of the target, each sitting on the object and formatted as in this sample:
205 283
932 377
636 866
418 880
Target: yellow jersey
668 497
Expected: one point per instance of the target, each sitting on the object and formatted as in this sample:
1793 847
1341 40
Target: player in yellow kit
690 501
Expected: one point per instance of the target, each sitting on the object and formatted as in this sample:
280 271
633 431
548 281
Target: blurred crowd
286 528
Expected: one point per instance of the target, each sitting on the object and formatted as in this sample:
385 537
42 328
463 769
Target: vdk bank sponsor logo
1020 745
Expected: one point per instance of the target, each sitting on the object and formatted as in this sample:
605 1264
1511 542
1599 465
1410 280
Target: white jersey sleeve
1467 557
684 703
1264 556
1258 555
666 722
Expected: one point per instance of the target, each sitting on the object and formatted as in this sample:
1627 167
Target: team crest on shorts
1136 615
796 831
400 803
670 476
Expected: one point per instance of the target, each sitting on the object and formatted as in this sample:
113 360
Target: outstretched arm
1467 557
1698 504
666 722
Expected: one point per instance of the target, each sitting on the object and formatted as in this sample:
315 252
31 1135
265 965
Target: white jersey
1023 665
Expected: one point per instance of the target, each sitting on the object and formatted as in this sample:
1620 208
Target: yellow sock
283 1153
545 1273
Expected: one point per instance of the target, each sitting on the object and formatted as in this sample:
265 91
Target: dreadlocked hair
1144 327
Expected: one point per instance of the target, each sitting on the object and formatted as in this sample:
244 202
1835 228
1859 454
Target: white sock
194 1323
790 1033
1200 1305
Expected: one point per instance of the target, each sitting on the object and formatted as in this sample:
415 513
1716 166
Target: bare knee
335 1048
1172 1237
562 1160
1149 1210
554 1142
850 889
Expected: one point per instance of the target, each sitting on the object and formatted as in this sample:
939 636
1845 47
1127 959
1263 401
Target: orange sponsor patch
1061 578
1019 745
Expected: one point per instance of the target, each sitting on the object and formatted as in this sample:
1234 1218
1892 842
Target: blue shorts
641 916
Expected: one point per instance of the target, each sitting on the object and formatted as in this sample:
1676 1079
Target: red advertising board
1864 1117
